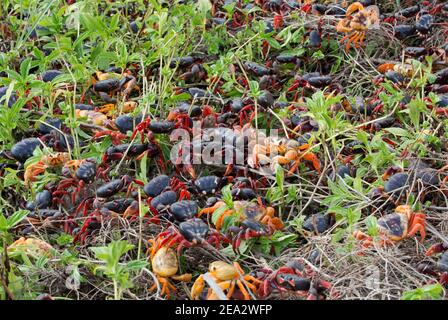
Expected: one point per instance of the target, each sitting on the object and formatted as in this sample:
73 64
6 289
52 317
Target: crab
193 232
254 220
110 108
282 152
115 136
227 276
106 84
162 192
31 246
356 22
396 226
294 277
51 160
79 173
441 267
165 265
245 210
107 190
93 117
93 222
101 213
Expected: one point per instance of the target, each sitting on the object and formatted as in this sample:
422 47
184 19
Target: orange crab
405 69
31 246
227 277
110 108
51 160
246 210
396 226
356 22
282 152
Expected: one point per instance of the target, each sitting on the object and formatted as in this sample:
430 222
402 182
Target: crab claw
197 288
172 115
356 6
190 170
183 277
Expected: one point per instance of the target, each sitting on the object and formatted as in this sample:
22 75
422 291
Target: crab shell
249 209
92 116
370 17
194 230
164 263
31 246
361 20
56 159
223 271
395 225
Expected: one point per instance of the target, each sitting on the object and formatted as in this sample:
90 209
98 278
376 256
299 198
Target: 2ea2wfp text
223 309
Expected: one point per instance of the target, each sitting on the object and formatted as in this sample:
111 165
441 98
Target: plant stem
116 295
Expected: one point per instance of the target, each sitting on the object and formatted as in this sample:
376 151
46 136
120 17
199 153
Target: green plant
7 274
428 292
119 273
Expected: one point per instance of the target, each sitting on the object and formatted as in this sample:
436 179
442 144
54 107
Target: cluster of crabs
80 183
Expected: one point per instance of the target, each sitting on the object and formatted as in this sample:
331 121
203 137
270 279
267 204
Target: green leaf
25 67
318 55
136 265
228 252
16 218
357 185
5 98
297 223
218 212
353 216
372 225
93 24
227 196
292 194
10 178
13 75
112 253
338 235
428 292
244 246
64 239
416 107
143 174
363 137
273 43
204 6
400 132
281 239
254 88
3 223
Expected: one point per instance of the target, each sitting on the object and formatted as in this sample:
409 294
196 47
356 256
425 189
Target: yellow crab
93 117
165 265
227 277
